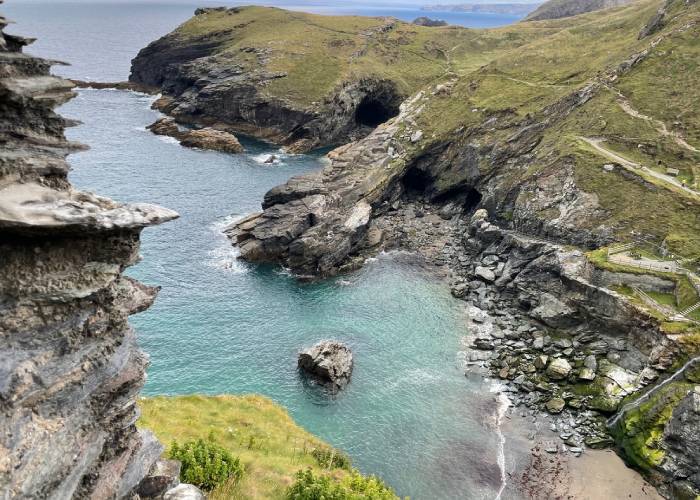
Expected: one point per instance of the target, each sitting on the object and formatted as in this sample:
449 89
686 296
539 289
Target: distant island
492 8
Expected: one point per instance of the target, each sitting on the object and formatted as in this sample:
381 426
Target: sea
410 415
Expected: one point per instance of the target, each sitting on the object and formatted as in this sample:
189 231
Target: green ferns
206 464
355 486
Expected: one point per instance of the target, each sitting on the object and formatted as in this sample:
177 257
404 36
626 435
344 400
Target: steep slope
70 367
510 136
556 9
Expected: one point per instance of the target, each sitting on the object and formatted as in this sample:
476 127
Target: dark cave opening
372 112
416 182
472 198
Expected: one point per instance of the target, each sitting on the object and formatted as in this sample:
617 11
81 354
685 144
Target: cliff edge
70 366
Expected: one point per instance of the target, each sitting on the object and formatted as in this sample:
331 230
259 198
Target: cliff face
70 367
301 80
556 9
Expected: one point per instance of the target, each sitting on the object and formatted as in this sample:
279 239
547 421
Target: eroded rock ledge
70 366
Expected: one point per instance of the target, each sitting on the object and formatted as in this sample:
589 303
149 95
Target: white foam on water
503 404
167 139
262 158
225 256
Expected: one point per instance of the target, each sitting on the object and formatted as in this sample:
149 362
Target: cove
222 326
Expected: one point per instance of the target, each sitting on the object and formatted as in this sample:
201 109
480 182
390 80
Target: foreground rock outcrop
70 366
328 361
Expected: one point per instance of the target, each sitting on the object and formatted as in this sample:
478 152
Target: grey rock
484 273
184 492
328 361
558 369
70 366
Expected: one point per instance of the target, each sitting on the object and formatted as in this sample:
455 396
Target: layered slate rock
70 366
329 362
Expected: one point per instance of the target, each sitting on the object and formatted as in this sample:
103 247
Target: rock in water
209 138
328 361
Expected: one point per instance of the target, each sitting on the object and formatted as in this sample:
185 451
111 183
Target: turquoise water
223 326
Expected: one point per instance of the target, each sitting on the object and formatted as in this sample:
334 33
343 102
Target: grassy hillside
644 115
270 445
317 52
640 105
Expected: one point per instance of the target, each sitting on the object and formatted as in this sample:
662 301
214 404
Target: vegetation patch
640 431
310 486
260 434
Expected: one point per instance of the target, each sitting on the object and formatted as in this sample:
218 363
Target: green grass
641 429
261 433
511 75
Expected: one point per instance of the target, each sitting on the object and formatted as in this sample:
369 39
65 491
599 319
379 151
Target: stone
416 136
591 362
541 361
555 405
558 369
484 273
163 476
184 492
483 344
209 138
70 366
328 361
586 374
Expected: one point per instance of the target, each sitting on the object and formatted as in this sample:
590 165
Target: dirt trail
637 168
660 126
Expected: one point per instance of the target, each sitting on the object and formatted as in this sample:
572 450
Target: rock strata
70 366
328 361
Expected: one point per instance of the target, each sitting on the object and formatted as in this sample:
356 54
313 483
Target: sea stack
330 362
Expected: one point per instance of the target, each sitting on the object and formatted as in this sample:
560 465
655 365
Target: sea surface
222 326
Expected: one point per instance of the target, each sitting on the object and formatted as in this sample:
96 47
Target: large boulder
329 362
209 138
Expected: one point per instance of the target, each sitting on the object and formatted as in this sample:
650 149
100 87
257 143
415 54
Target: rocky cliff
562 131
302 80
70 366
557 9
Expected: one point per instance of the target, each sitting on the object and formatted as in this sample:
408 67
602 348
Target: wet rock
165 126
483 344
558 369
328 361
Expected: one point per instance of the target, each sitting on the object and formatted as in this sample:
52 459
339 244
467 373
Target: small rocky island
330 362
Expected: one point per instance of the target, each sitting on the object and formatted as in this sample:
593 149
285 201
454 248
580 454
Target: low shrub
330 458
205 464
354 486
